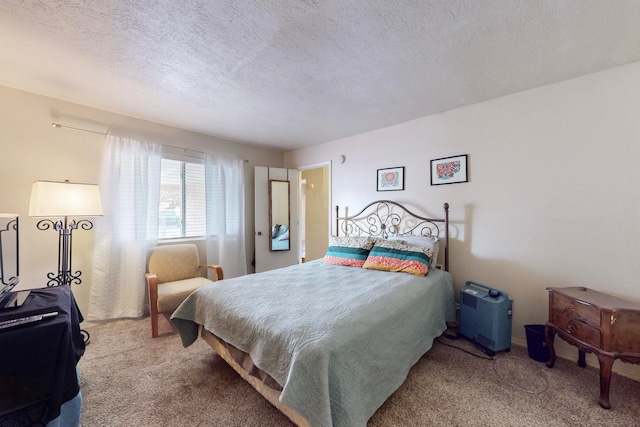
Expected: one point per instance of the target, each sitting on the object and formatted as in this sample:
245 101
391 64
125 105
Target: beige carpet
130 379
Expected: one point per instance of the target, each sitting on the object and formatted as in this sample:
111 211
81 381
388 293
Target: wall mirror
279 215
9 264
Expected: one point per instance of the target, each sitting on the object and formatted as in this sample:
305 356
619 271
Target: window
182 200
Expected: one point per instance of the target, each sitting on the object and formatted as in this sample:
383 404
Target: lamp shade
52 199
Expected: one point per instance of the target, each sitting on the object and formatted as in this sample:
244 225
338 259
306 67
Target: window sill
181 239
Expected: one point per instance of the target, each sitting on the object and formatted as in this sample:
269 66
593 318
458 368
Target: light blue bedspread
339 340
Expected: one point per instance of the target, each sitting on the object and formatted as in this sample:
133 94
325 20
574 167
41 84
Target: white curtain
224 178
130 190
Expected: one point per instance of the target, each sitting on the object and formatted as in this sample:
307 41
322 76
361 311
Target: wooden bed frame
272 395
381 218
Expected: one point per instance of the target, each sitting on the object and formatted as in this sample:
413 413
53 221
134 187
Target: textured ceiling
294 73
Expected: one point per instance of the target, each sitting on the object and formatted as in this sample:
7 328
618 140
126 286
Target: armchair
174 272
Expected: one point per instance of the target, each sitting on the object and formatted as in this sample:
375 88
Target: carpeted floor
130 379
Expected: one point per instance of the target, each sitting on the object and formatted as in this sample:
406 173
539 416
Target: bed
327 343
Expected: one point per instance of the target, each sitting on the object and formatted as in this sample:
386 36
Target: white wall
553 197
31 149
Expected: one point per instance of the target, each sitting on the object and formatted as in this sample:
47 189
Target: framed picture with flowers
449 170
391 179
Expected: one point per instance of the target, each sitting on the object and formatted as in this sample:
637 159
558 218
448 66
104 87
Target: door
271 253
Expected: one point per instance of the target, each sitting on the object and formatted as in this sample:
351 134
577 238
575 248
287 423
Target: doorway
314 216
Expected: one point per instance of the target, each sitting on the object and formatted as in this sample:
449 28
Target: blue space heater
485 317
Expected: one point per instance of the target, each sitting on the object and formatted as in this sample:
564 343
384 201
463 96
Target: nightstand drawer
577 329
580 311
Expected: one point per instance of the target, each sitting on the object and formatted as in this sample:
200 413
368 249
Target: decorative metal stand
65 274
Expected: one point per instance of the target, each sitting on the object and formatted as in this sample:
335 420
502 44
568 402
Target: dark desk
38 360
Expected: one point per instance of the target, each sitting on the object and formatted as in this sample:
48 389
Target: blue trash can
536 343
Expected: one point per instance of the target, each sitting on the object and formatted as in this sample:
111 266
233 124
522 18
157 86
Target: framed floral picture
449 170
391 179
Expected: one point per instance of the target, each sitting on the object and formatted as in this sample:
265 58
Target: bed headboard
384 218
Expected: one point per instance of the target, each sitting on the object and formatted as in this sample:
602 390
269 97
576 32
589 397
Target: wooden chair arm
217 271
152 281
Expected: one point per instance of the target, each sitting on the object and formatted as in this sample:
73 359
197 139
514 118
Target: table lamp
64 199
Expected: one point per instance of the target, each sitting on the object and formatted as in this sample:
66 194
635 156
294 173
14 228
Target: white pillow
431 242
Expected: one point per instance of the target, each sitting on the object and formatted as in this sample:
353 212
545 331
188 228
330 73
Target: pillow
349 251
394 256
278 230
431 242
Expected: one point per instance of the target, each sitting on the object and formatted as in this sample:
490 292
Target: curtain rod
59 126
189 149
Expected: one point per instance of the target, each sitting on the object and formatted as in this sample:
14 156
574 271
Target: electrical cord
453 337
542 370
495 364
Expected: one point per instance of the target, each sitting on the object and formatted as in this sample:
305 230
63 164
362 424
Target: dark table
38 360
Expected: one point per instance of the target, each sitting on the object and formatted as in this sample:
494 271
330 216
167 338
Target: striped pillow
349 251
395 256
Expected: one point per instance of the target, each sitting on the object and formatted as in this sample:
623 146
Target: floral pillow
391 255
349 251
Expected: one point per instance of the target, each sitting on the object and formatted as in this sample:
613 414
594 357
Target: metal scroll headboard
384 218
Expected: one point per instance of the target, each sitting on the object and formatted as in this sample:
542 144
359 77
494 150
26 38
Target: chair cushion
174 262
171 294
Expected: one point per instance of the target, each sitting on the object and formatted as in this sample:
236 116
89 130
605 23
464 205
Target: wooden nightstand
595 323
